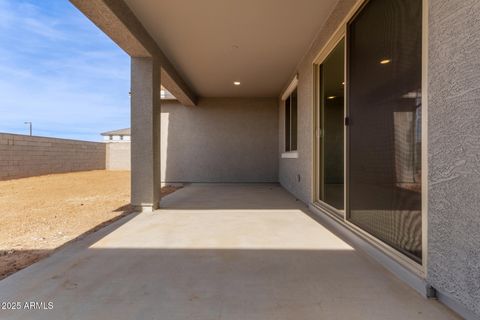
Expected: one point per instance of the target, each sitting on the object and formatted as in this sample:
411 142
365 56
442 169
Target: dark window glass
384 103
332 127
291 122
287 124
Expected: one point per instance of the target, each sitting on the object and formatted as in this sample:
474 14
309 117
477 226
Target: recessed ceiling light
331 97
385 61
343 83
237 83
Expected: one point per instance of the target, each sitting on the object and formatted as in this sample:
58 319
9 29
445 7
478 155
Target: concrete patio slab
216 251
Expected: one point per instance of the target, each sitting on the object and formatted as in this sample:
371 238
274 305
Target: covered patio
216 251
383 148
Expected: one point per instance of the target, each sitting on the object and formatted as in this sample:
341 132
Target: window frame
291 122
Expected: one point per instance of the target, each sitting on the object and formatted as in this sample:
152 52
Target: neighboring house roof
165 94
120 132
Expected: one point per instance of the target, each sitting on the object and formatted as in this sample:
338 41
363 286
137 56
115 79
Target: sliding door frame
318 134
341 215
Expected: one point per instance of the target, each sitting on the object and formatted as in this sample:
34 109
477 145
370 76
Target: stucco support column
145 126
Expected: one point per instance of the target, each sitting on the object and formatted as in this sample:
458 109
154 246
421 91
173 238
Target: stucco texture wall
220 140
296 175
118 156
454 150
25 156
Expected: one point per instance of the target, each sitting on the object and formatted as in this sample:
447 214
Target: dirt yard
39 214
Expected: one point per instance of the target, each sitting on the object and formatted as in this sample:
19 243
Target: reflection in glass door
332 128
384 94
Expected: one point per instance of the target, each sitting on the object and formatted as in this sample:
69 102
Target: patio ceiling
213 43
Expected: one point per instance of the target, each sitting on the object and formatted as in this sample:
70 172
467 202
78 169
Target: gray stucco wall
25 156
289 169
454 150
220 140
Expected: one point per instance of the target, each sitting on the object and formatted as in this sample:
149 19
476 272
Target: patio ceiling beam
116 20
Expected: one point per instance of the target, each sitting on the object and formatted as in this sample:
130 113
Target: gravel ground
39 214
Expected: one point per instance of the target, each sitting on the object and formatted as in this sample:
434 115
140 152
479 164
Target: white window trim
290 155
292 86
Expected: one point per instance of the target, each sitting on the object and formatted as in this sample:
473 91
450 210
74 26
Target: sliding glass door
331 74
384 94
379 107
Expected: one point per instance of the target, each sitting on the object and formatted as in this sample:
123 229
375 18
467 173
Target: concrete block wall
25 156
118 156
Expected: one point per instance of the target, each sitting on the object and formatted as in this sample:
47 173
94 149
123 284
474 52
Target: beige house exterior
397 172
120 135
117 149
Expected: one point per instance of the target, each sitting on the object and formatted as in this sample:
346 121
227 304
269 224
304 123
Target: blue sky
58 70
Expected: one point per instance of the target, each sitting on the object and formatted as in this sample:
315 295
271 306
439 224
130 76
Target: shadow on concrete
136 283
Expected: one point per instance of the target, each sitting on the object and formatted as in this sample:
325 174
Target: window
291 122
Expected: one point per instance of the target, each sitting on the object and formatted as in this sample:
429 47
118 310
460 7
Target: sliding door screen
332 116
384 107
